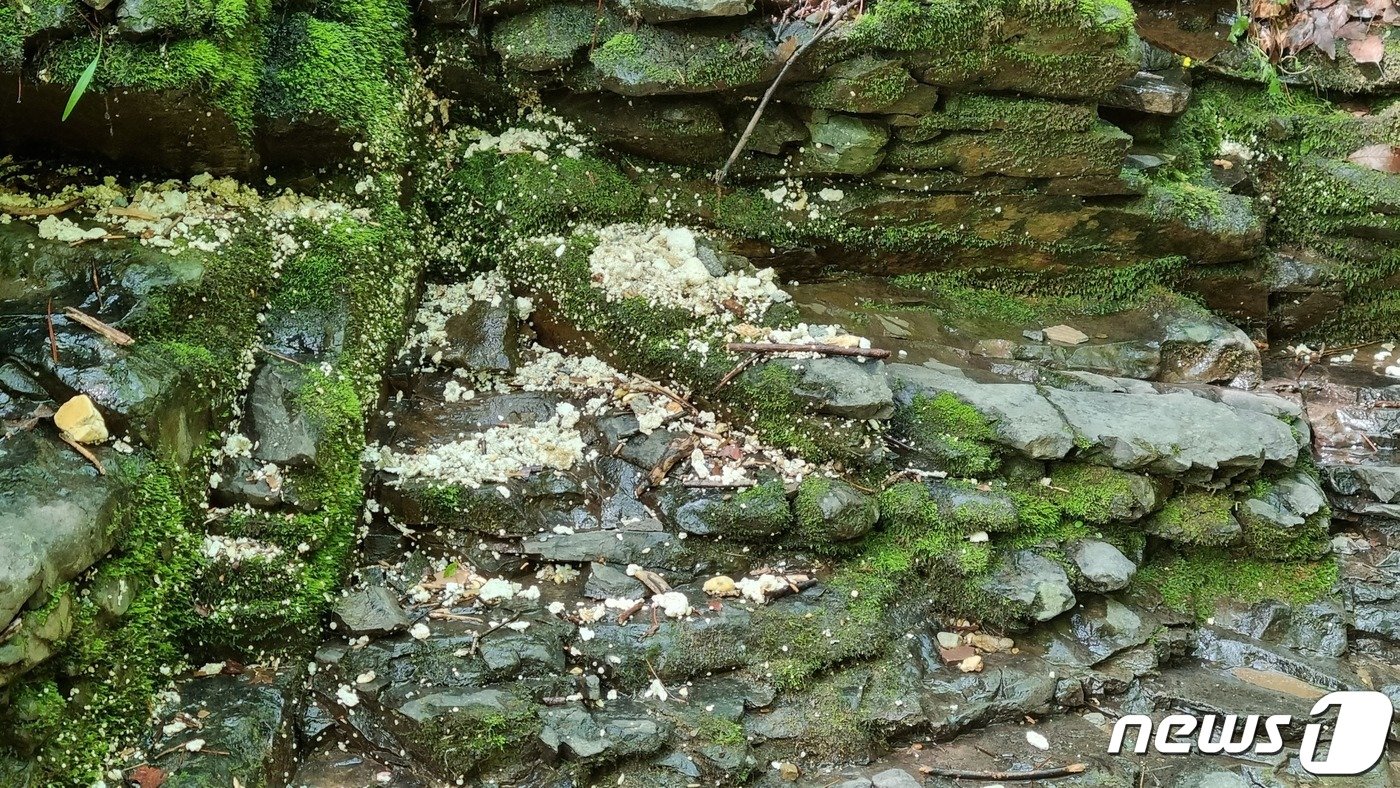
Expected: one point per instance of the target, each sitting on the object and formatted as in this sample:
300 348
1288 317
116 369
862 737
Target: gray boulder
1102 567
1021 418
654 11
1032 585
1173 433
57 517
280 428
843 387
373 610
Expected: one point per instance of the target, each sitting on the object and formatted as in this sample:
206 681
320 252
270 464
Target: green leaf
83 82
1240 27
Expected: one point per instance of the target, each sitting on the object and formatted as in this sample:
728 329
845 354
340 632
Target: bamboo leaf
83 81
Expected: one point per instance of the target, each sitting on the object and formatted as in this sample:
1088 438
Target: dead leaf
1368 50
1267 9
1383 158
147 776
787 49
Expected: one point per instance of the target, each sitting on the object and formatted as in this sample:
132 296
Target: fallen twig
734 373
290 360
116 335
825 350
631 611
716 484
87 455
652 387
49 210
1034 774
476 644
682 449
107 237
53 338
822 30
133 213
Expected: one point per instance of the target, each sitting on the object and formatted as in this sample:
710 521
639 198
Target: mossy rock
335 79
1193 580
867 85
1019 154
982 112
1196 517
840 144
756 514
830 512
652 60
1061 49
161 97
551 36
948 434
1103 495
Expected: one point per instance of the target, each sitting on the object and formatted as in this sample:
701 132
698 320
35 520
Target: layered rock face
402 401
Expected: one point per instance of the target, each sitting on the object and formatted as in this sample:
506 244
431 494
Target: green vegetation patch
1193 581
951 434
344 64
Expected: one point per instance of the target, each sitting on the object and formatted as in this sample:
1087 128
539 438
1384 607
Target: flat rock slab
57 517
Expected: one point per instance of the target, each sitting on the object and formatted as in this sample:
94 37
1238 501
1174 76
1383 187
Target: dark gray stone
845 387
607 582
1036 587
374 610
277 423
1102 567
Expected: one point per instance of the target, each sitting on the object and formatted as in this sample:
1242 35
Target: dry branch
825 350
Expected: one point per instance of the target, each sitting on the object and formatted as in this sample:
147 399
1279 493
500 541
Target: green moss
949 433
797 644
1193 582
719 730
758 512
487 203
552 36
988 112
1197 517
1262 538
1098 494
862 85
1035 297
276 601
342 64
225 70
1060 47
467 740
680 61
70 714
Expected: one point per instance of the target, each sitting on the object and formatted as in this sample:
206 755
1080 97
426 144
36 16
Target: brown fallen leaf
1383 158
147 776
1368 50
787 49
